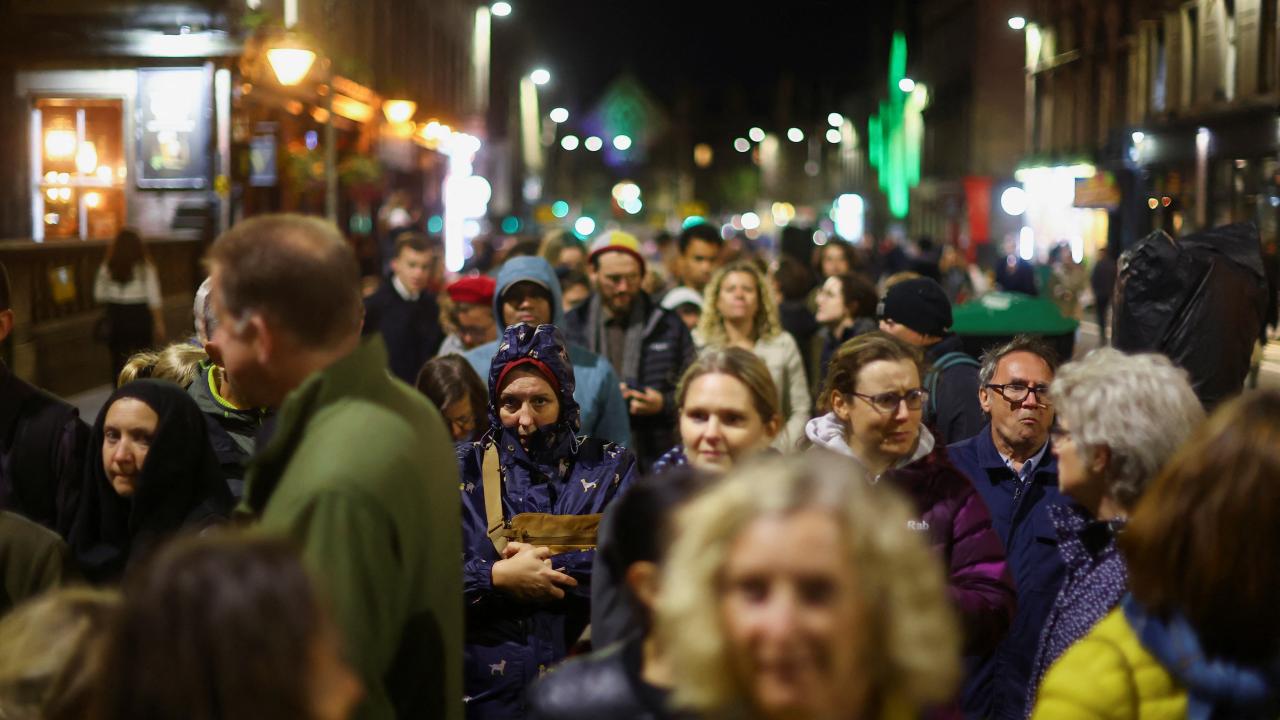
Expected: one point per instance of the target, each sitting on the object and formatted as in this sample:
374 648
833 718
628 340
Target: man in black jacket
42 443
918 312
649 347
403 311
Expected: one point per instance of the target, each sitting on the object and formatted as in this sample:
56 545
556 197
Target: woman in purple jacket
875 405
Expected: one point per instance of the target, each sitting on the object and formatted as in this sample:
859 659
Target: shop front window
78 166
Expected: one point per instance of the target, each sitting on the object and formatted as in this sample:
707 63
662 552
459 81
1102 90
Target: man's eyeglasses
888 402
1017 392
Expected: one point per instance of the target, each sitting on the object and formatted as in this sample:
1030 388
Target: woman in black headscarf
150 473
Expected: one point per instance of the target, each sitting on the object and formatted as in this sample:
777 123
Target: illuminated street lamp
756 135
500 9
290 64
399 111
559 115
541 76
835 119
795 135
906 85
1017 22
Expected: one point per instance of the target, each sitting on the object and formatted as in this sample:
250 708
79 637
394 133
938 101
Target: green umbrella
1001 313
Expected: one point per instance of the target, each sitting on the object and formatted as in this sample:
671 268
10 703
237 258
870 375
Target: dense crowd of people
665 479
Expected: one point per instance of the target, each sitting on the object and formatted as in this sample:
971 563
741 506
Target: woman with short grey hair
1119 419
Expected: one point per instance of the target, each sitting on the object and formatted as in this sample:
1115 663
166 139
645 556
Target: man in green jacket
359 470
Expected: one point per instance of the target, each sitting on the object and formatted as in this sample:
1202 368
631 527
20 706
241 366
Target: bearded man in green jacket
359 469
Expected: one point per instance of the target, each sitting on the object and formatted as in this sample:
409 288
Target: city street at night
569 359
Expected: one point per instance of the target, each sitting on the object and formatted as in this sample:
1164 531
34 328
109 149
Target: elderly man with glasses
1012 466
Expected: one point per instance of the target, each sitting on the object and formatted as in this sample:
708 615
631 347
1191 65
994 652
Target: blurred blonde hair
178 363
47 650
913 642
766 325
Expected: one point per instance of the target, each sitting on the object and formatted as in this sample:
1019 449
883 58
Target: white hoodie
827 431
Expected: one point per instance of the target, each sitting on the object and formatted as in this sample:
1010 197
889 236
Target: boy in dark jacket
404 311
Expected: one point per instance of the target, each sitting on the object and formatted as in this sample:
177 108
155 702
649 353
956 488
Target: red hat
477 290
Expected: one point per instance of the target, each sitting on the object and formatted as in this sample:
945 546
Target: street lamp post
291 63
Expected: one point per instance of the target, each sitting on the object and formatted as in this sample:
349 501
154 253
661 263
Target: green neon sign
895 133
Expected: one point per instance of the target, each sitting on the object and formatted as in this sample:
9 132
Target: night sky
724 66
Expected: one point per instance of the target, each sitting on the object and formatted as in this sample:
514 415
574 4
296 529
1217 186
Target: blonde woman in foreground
792 592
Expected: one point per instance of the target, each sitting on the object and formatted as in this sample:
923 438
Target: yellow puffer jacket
1109 675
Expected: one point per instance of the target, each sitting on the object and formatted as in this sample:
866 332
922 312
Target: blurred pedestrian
533 493
128 285
33 560
876 406
403 310
846 308
458 393
42 442
529 292
701 250
791 284
1066 281
1119 419
232 421
563 251
1198 637
149 474
1012 465
466 310
740 311
48 653
1015 275
648 347
955 275
917 311
925 258
835 258
629 679
357 470
728 414
792 592
1103 283
575 287
685 302
223 627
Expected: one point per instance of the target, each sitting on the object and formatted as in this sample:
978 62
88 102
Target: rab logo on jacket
918 525
588 487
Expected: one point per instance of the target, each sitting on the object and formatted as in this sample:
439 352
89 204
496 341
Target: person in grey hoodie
875 405
529 292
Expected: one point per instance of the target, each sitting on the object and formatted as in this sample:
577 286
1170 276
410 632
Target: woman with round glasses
875 405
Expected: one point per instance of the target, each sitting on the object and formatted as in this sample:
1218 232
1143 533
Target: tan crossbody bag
560 533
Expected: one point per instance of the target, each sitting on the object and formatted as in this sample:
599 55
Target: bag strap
489 471
949 360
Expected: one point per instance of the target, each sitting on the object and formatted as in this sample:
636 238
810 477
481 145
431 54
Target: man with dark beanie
918 312
42 443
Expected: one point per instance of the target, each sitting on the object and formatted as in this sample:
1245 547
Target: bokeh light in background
559 208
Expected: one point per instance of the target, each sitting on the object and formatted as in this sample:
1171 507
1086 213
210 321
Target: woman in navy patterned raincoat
525 605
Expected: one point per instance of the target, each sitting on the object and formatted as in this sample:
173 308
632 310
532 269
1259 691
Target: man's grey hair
1141 407
991 357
